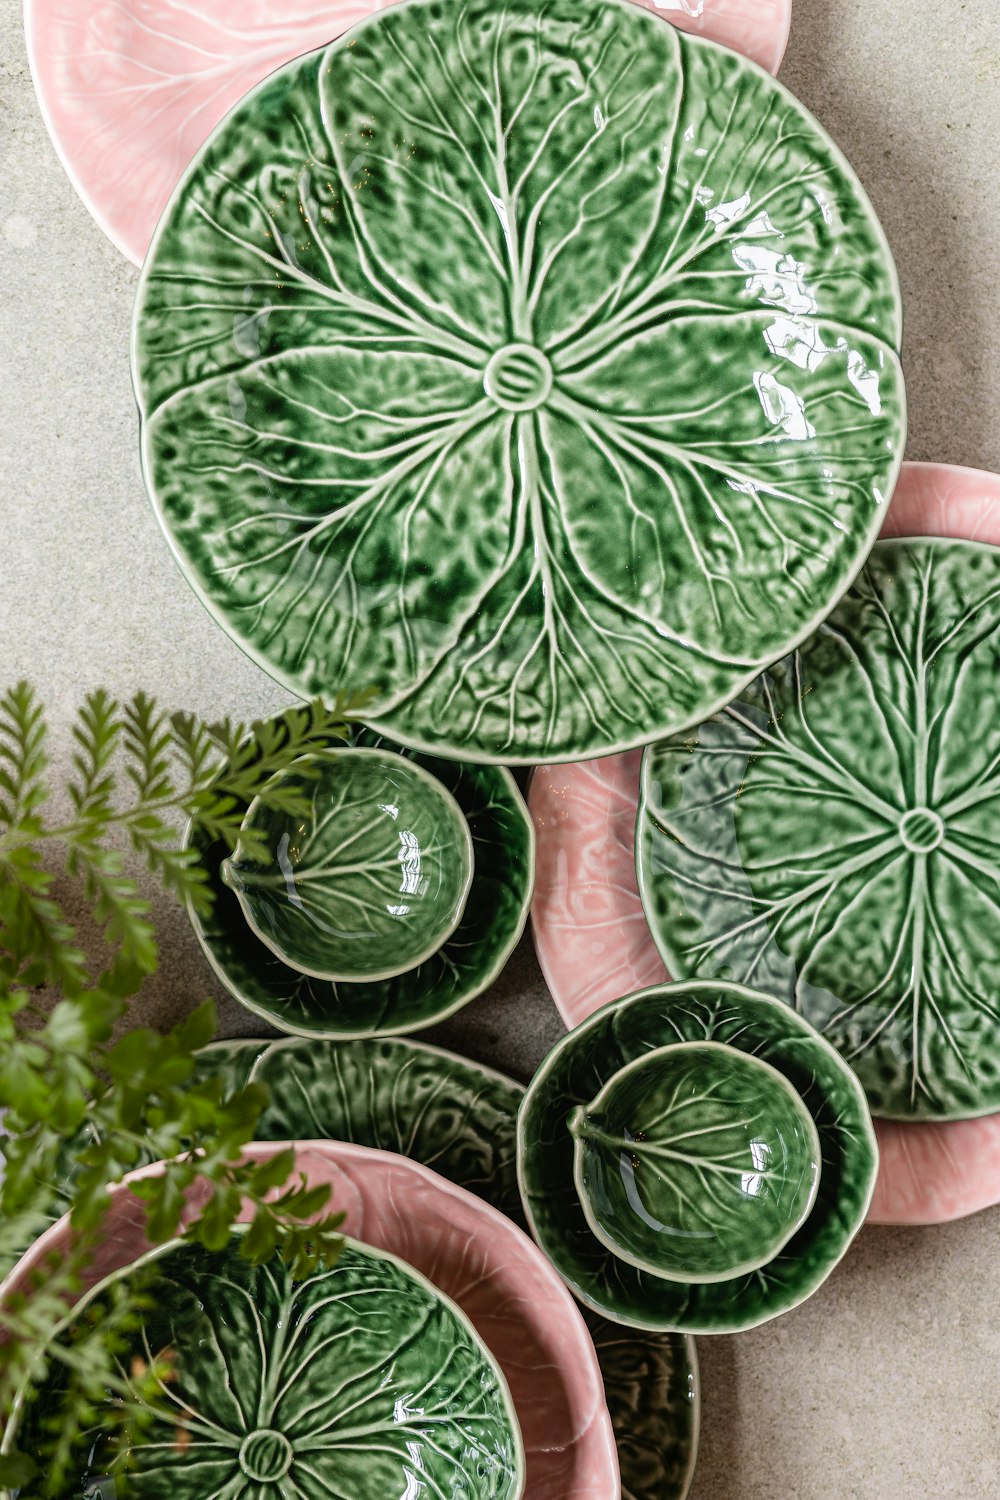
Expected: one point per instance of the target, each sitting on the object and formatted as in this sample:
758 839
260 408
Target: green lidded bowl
695 1162
367 885
344 1383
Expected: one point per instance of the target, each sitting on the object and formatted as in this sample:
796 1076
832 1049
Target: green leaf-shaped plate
343 1384
534 366
503 841
370 882
579 1066
833 836
459 1119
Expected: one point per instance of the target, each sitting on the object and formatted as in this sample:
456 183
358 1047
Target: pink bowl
130 89
591 935
478 1258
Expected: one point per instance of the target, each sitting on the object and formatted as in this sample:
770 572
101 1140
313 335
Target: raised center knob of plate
518 377
921 830
266 1454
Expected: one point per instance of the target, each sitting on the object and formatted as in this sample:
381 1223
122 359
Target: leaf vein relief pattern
505 359
835 833
439 1406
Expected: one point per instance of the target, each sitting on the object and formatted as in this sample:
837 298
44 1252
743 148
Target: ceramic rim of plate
739 22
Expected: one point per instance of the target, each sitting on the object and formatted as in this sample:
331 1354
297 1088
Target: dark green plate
577 1068
503 840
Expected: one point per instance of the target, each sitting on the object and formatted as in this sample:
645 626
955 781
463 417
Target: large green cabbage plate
535 366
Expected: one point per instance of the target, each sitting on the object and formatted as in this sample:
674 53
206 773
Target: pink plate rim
124 161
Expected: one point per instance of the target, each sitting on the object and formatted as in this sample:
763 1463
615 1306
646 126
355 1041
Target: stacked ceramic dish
391 894
537 370
293 1384
367 1118
855 780
695 1156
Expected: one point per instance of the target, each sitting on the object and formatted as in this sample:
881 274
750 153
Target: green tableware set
537 369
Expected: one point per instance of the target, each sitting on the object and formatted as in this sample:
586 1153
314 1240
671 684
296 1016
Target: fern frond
97 733
38 942
149 745
117 907
23 758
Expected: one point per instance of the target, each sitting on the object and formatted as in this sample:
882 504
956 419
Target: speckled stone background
886 1386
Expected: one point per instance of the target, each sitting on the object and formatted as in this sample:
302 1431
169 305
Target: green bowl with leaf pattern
696 1162
633 1118
362 874
348 1382
466 964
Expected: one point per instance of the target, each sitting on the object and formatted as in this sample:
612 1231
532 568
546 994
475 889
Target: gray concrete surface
886 1386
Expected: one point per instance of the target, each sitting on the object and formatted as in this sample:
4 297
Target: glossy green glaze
503 842
695 1162
341 1384
459 1119
369 885
576 1070
834 835
536 367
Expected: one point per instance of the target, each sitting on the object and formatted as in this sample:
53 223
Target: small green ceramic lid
368 885
696 1162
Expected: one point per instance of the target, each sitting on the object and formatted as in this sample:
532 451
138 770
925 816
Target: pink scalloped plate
479 1259
130 89
591 935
